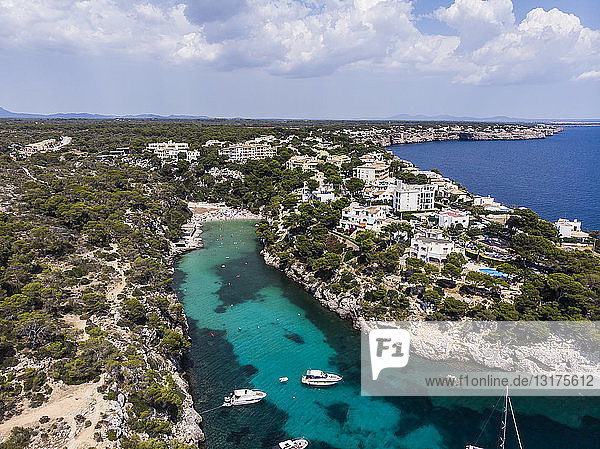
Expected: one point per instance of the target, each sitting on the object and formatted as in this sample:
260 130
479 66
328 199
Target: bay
265 326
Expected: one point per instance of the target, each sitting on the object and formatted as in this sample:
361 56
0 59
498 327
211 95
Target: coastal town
367 233
437 233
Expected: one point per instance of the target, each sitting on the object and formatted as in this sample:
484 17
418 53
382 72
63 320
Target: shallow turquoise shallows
250 326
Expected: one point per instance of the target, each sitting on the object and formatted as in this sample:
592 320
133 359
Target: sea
557 177
251 325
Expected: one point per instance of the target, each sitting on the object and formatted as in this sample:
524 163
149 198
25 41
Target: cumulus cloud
477 21
545 46
303 38
100 27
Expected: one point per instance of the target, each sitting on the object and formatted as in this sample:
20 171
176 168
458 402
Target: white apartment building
303 162
570 229
252 149
213 142
484 201
385 195
489 204
430 246
451 217
373 218
372 172
413 197
173 151
337 159
39 147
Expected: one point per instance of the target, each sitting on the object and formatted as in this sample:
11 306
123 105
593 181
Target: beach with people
219 212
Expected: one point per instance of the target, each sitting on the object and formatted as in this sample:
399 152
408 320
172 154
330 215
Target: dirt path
66 401
117 289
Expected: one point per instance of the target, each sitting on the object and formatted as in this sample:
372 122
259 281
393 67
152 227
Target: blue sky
302 58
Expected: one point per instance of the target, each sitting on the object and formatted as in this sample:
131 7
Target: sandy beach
219 212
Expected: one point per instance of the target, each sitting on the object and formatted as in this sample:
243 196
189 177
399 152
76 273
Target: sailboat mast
512 412
504 421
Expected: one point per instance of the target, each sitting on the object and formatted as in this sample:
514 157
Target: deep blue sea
265 326
558 177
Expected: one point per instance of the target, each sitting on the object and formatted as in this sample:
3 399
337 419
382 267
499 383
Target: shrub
174 343
19 439
165 397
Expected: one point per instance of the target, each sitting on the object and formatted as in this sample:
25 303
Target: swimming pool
493 272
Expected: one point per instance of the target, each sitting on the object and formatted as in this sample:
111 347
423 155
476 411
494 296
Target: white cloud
99 27
477 21
301 38
545 46
592 75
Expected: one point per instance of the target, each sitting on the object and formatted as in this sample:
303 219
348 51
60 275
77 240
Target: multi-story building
173 151
39 147
324 194
337 159
373 218
451 217
430 245
375 171
570 229
484 201
251 150
303 162
413 197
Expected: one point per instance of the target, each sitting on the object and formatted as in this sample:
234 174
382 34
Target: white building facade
570 229
451 217
413 197
431 246
373 218
173 151
372 172
251 150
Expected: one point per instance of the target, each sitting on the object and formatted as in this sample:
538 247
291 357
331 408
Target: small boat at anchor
505 418
243 396
299 443
318 378
283 379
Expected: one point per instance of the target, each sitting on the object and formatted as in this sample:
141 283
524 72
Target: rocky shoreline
557 354
189 428
346 306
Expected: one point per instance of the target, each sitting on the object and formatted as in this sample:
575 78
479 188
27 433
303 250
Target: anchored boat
318 378
502 443
300 443
244 397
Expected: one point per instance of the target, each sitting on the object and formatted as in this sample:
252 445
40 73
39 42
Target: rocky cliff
346 305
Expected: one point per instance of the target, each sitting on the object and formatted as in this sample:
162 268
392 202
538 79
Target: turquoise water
558 177
264 327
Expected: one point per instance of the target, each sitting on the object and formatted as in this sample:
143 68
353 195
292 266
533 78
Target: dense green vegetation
73 226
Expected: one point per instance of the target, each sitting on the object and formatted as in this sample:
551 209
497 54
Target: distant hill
495 119
453 118
85 115
400 117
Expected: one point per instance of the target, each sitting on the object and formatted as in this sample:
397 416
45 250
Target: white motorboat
318 378
244 397
283 379
299 443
